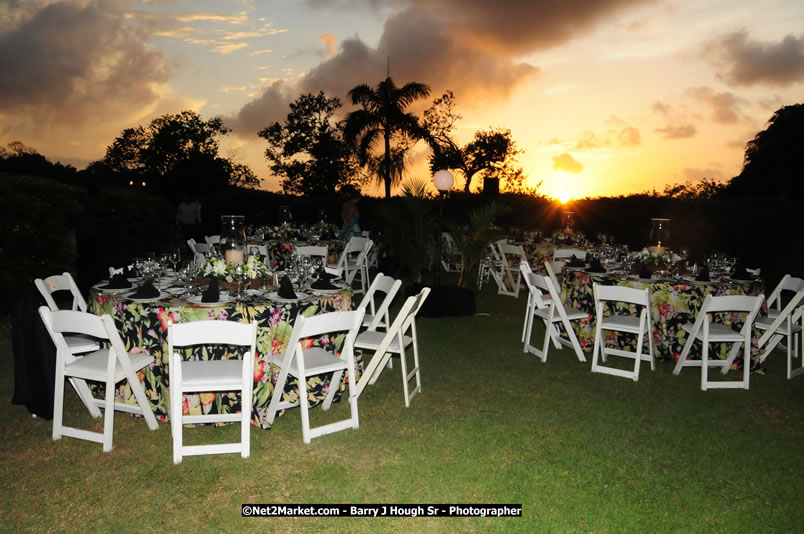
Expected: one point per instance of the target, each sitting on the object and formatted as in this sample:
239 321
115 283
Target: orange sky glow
604 97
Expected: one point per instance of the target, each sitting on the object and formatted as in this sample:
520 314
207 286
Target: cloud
70 61
629 136
271 106
680 131
329 41
699 174
565 162
741 61
726 107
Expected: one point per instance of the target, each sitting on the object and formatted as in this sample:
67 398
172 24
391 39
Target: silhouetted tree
18 158
383 117
308 150
774 158
173 153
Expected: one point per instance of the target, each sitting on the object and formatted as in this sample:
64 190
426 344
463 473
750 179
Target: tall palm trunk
387 169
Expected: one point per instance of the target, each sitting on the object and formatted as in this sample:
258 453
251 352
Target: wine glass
240 276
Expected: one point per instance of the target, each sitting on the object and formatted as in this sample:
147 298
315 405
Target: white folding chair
545 303
787 324
212 240
568 253
552 268
706 331
109 365
622 298
451 257
376 317
353 262
494 266
313 251
511 256
304 363
204 376
76 343
258 250
399 336
777 299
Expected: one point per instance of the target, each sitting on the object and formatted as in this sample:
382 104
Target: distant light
564 197
131 182
143 184
443 180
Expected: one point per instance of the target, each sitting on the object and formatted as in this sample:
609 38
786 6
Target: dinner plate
253 292
162 295
100 287
222 299
326 291
275 296
175 290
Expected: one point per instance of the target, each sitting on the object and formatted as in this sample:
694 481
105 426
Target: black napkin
146 291
595 266
118 281
324 275
703 276
212 293
740 273
130 272
286 289
575 262
322 284
644 272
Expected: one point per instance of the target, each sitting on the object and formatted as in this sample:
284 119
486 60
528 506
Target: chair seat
622 323
763 323
93 366
212 375
718 333
78 343
372 341
316 361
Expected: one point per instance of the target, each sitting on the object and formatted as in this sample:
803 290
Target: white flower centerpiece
253 269
654 257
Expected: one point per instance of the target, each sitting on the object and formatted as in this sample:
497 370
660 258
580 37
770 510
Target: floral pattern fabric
673 304
280 251
143 328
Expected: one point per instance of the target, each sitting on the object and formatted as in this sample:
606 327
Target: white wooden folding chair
545 303
303 363
494 266
399 336
354 262
212 240
451 257
376 316
109 365
76 343
205 376
786 325
782 292
312 251
706 331
552 268
511 256
568 253
640 325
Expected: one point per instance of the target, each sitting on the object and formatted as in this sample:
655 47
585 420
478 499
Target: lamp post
443 180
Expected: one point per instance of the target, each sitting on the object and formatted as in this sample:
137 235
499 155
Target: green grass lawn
580 452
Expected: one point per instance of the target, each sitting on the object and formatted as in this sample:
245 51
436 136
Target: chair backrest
201 248
568 253
507 250
212 333
387 285
191 244
102 327
449 241
732 304
553 268
60 282
631 295
212 239
257 250
792 309
536 285
787 283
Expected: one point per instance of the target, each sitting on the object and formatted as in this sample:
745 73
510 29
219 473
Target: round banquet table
673 304
143 328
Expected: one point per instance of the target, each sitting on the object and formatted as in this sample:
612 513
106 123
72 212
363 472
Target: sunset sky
605 97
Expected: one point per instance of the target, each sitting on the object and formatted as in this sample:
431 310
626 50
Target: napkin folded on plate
327 276
645 273
703 276
740 273
212 293
286 289
146 291
118 281
575 262
595 266
322 283
130 272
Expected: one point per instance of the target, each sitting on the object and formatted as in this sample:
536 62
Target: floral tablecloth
673 303
280 251
143 328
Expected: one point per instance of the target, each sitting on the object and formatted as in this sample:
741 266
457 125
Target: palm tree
383 115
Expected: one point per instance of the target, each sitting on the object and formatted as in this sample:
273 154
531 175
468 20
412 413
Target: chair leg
704 364
82 389
334 386
58 402
303 405
108 416
176 413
